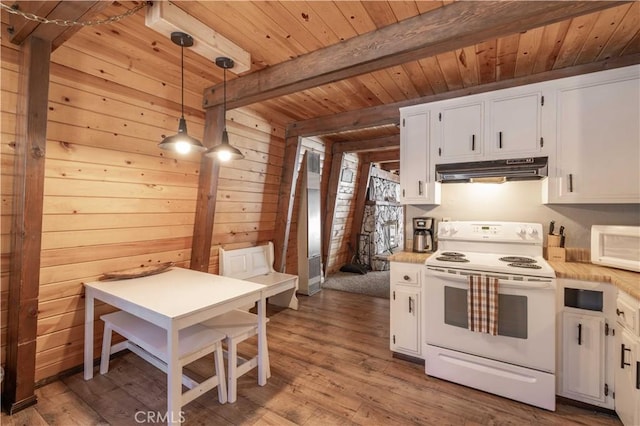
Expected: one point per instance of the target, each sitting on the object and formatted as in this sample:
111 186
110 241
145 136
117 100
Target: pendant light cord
182 73
224 93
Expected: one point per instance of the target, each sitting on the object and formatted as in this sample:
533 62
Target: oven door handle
504 283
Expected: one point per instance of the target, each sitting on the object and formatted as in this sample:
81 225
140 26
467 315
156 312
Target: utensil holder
553 240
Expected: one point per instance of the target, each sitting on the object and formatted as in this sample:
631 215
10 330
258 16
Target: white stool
237 326
150 343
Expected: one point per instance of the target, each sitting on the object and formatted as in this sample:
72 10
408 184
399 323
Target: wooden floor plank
330 365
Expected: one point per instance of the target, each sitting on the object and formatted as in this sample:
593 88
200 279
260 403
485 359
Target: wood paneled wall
339 253
113 200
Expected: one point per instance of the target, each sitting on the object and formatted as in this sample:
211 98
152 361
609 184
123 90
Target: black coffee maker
423 234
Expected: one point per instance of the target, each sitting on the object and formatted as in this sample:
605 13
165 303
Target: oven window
512 312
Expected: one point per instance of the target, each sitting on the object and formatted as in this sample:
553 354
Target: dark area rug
375 283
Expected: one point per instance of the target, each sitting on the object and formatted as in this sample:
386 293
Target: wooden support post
24 280
332 196
207 192
286 197
364 173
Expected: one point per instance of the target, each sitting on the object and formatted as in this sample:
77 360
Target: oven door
526 320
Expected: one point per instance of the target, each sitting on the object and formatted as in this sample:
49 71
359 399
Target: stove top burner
452 254
460 259
529 265
518 260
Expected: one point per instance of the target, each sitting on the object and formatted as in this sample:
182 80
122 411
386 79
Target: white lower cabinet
627 360
406 311
586 343
583 362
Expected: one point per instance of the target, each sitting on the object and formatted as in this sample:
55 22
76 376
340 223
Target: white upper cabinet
417 182
458 132
598 139
514 125
491 126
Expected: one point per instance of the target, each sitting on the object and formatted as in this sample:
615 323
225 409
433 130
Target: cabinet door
416 186
514 127
626 378
598 143
459 133
405 320
583 356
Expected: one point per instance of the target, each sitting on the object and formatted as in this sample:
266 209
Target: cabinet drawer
627 310
406 274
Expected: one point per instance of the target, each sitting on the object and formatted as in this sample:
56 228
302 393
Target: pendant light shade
181 142
224 151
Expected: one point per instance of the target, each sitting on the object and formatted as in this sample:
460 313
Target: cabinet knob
407 277
619 312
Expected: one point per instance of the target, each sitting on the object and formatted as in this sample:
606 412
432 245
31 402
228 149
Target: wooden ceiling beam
390 165
64 10
20 28
445 29
381 156
386 142
388 114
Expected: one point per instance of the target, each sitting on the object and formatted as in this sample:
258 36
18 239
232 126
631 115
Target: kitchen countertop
409 257
627 281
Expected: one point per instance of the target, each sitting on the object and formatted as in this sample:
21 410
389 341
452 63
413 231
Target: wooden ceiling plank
449 65
374 86
432 71
486 52
380 12
404 9
421 36
527 52
575 39
21 28
291 19
403 81
507 55
550 45
624 33
388 113
604 27
385 79
314 27
357 15
417 77
468 66
333 19
634 45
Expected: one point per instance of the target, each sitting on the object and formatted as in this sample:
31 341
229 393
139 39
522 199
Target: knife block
554 252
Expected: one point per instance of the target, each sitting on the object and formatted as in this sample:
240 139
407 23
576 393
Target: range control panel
491 231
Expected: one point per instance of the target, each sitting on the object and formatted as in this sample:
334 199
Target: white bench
150 343
255 264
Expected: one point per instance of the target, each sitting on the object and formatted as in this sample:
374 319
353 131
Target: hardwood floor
330 364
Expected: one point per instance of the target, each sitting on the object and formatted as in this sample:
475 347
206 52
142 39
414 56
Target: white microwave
616 246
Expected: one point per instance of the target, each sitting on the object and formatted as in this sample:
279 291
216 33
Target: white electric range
518 362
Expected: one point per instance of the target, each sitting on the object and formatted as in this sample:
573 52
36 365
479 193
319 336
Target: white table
173 300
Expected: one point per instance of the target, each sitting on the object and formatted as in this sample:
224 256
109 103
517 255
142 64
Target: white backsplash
520 201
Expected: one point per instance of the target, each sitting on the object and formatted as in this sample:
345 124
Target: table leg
88 334
174 378
262 342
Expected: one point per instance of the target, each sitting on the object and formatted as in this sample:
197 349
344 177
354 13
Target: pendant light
182 142
225 151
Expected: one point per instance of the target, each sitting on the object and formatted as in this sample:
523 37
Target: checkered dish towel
482 304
